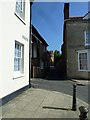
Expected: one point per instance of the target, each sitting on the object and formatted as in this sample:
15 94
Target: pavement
82 82
40 103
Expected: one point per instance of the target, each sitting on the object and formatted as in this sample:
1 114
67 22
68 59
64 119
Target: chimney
66 11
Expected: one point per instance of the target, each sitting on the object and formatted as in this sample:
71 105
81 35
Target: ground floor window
84 60
18 58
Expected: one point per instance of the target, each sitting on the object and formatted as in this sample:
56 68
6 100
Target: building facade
39 57
14 45
77 47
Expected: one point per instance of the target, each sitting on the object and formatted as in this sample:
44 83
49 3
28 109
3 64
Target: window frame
35 54
21 12
18 73
86 44
88 58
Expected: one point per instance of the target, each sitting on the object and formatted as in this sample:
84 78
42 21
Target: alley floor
40 103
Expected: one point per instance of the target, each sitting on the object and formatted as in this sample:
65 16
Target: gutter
30 38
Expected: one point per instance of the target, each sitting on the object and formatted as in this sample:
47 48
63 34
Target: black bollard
74 98
83 113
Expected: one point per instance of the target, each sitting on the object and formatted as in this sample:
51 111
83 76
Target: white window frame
88 59
20 55
85 34
20 9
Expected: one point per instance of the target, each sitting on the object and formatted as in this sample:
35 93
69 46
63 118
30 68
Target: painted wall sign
25 38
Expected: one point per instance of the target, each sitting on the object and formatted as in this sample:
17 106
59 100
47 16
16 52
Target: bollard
74 98
83 113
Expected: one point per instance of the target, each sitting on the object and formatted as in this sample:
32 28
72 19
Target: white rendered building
14 46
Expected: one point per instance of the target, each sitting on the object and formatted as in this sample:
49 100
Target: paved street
48 98
61 86
53 82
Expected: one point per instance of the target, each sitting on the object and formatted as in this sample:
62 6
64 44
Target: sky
48 19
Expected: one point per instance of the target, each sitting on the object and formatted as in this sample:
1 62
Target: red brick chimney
66 11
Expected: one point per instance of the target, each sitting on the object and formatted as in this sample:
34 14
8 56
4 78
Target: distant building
76 46
14 45
39 56
51 57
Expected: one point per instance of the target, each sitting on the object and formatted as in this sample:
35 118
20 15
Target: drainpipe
30 38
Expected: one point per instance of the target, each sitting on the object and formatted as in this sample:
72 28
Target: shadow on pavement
45 107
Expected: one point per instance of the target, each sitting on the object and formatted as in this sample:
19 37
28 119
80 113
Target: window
34 50
87 38
18 58
20 8
84 60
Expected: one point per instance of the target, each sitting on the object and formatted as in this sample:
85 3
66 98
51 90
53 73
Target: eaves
76 20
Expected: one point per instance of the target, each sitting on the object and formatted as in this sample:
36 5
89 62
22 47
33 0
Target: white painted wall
11 29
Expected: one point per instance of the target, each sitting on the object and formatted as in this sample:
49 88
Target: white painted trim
20 18
36 37
88 59
20 72
21 10
16 76
85 37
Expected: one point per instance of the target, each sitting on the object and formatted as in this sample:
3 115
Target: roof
85 18
35 32
76 18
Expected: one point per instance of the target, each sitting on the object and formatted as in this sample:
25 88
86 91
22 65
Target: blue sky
47 17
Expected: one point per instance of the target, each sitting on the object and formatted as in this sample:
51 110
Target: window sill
20 18
84 70
87 45
18 76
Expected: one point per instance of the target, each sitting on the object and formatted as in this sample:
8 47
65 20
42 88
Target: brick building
39 56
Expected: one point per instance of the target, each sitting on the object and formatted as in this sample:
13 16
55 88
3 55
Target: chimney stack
66 11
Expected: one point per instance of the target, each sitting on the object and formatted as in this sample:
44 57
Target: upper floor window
87 38
20 8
